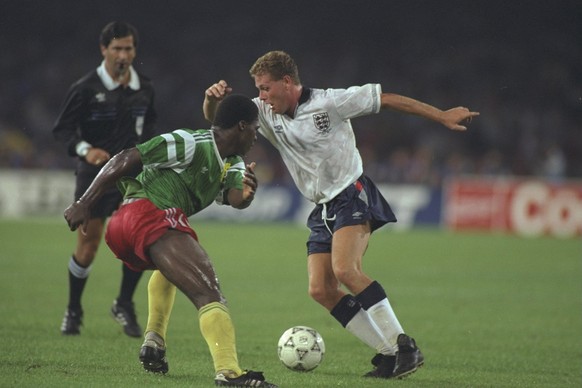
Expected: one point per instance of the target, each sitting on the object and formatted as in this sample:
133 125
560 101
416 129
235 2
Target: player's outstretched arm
241 199
212 97
124 163
452 118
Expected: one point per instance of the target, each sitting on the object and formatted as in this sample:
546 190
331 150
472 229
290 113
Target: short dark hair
235 108
277 64
116 30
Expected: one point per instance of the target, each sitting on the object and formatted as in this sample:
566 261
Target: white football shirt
318 145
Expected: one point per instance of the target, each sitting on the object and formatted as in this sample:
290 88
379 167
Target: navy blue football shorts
108 203
359 203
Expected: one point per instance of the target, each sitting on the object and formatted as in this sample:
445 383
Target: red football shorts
136 226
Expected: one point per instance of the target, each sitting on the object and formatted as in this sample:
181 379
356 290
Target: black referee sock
77 280
129 282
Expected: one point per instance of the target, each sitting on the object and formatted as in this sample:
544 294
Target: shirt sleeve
169 150
66 127
151 117
357 100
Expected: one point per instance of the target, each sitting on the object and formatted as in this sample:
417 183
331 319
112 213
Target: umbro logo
278 128
100 97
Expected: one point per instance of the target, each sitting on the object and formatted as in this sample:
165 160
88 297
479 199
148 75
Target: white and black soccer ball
301 348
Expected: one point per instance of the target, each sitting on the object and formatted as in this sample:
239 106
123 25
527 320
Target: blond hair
277 64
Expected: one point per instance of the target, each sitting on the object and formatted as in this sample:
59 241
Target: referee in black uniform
108 110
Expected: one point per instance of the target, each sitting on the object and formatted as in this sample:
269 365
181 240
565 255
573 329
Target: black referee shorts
108 203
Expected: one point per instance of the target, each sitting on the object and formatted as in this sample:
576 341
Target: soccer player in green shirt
182 172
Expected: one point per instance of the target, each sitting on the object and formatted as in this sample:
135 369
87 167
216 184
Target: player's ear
241 125
288 81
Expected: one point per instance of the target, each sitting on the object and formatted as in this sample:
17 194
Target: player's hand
455 117
250 182
97 156
78 214
218 91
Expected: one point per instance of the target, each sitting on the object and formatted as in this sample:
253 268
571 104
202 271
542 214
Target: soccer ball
301 348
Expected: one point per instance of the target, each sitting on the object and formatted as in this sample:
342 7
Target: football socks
77 280
374 300
161 295
218 331
350 314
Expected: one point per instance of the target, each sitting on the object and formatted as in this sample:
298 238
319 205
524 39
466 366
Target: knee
86 252
323 294
345 275
317 293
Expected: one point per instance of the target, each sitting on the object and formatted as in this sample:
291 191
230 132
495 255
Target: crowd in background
527 84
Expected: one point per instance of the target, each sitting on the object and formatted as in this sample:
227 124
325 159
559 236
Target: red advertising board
528 207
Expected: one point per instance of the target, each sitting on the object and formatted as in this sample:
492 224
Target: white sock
362 326
77 270
383 316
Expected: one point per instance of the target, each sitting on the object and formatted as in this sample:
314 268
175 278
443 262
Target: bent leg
80 262
324 287
79 268
348 248
88 243
182 261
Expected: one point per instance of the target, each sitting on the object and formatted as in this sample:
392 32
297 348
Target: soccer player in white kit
311 128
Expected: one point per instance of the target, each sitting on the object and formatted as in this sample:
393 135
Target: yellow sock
218 331
161 295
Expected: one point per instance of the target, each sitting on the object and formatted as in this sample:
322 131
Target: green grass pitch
487 310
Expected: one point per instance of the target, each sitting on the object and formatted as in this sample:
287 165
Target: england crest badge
322 122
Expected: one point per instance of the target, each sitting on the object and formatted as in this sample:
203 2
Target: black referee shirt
109 119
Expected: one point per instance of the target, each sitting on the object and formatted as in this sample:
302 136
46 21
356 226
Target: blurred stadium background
518 63
499 307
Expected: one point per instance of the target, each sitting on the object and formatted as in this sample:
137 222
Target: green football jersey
183 169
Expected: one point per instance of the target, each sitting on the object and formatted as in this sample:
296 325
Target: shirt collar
305 94
110 84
